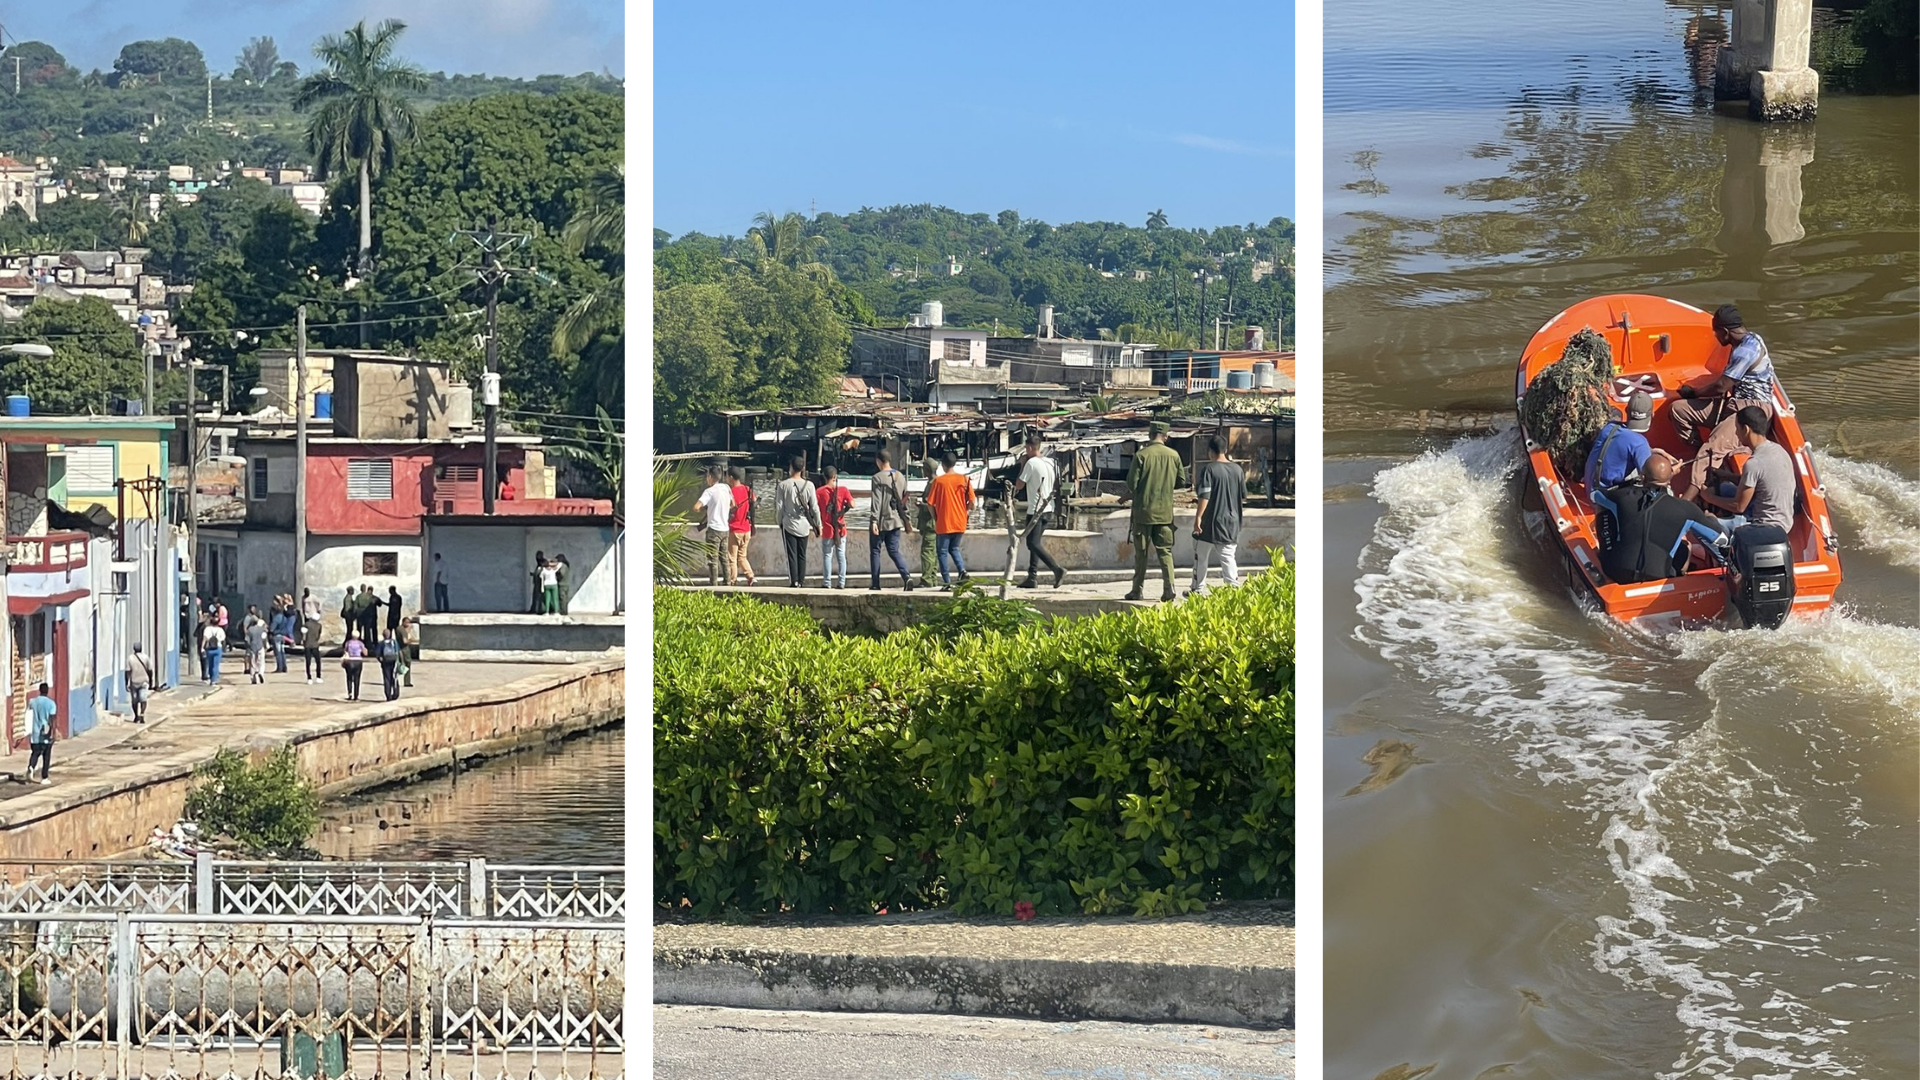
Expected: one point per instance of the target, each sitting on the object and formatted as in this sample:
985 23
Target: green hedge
1137 761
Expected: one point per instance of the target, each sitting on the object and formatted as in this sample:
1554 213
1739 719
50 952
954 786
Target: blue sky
494 37
1062 111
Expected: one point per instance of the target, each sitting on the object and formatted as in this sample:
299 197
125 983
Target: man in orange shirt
951 496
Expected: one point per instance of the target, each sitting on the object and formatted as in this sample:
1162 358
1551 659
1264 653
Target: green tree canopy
170 60
95 357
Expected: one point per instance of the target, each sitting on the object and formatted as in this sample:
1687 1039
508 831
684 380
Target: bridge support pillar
1766 62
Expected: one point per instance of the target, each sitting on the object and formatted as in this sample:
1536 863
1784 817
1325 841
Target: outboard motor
1762 576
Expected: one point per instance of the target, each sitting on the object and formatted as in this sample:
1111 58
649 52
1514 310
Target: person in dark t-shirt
1222 488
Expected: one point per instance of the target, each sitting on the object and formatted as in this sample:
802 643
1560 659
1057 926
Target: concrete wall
520 636
986 551
489 566
342 750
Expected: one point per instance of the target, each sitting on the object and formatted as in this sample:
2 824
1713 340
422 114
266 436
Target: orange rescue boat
1659 344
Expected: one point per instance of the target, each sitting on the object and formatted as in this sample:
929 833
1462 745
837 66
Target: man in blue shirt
1746 380
40 713
1620 449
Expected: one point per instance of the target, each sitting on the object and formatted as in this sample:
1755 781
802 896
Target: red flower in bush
1023 911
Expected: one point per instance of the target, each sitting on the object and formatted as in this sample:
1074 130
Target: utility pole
193 489
492 273
300 453
16 63
16 76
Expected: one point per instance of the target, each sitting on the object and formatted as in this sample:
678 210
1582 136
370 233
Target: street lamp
28 348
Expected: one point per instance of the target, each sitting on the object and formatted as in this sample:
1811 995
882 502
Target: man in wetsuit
1644 529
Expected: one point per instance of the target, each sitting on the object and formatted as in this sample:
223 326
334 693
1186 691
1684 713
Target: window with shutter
90 469
370 480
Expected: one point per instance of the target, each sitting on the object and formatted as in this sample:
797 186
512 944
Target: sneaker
43 781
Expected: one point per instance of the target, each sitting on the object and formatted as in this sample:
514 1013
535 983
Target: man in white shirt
1040 480
797 506
139 683
715 506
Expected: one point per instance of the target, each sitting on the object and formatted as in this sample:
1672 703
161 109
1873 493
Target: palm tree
674 546
784 240
1157 219
361 114
601 223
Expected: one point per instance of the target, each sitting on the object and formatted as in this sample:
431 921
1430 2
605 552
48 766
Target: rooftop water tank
1256 338
1263 374
1239 380
934 313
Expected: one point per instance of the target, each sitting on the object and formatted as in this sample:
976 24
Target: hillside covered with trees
1100 276
150 110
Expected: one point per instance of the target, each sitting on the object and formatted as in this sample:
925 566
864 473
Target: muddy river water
1556 848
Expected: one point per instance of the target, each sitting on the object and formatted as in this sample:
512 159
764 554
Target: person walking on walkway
352 656
1155 472
406 637
200 642
1222 488
549 588
214 642
140 680
797 505
389 653
714 508
394 604
835 501
929 539
310 645
739 528
256 631
440 601
40 712
280 632
952 499
887 516
1040 482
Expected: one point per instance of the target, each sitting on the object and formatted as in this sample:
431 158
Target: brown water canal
1556 848
563 803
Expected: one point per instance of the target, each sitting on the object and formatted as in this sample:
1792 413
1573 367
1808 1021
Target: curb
1024 989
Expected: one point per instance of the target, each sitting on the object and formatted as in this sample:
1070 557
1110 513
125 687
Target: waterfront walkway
196 716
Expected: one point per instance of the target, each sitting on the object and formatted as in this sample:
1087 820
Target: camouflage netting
1566 403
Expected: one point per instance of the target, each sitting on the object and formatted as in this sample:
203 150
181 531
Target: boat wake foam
1749 851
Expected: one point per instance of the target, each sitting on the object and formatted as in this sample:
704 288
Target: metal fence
128 994
475 889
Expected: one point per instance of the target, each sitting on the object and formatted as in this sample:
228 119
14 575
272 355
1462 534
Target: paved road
700 1043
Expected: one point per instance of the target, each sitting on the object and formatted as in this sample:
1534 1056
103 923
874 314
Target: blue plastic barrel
322 405
19 405
1239 380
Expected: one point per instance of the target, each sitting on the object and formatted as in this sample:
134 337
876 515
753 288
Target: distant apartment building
20 188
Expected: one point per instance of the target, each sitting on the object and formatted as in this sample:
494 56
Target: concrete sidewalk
197 716
1233 966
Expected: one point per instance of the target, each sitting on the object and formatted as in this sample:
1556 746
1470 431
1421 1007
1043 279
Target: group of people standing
804 511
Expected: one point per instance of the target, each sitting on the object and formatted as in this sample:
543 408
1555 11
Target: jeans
353 679
279 655
550 600
41 752
257 665
1037 550
440 602
1160 538
389 678
715 545
313 662
947 546
213 664
1203 558
833 552
796 558
890 538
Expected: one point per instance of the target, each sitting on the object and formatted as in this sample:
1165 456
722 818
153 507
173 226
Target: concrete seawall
109 803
